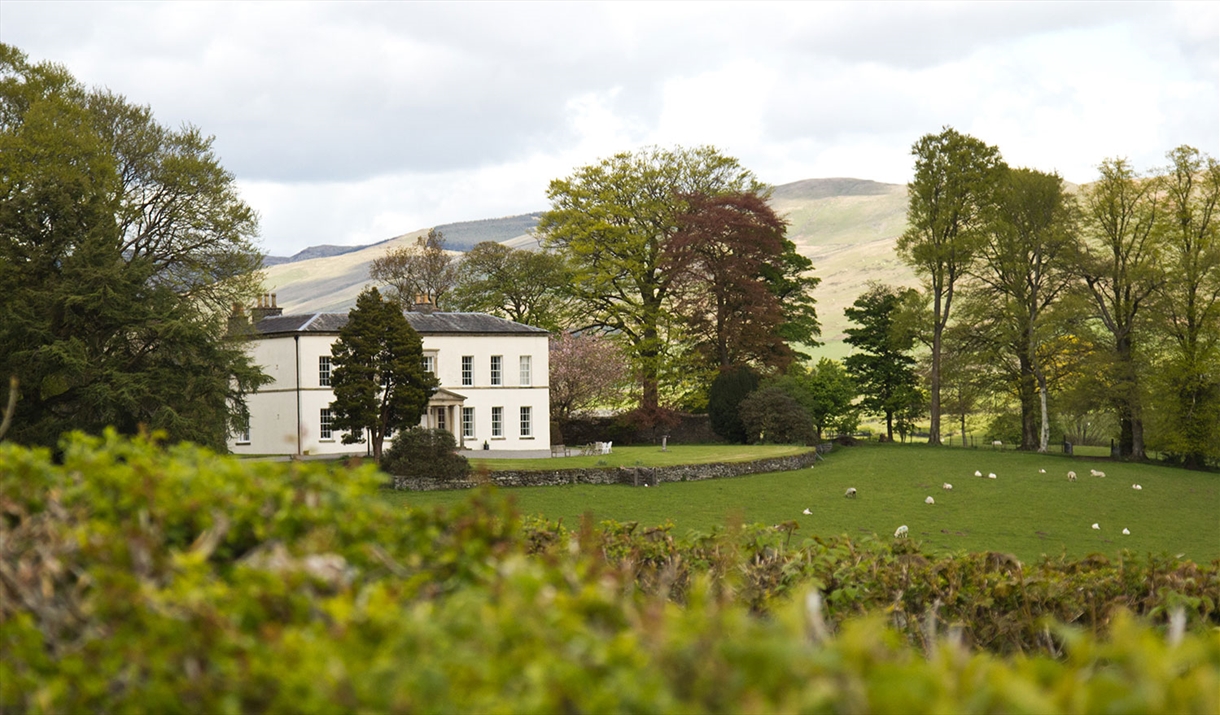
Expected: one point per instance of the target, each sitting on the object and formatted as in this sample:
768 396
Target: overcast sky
352 123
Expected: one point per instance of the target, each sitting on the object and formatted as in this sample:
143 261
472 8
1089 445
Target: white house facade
493 392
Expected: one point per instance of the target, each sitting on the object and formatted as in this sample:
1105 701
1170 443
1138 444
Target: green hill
847 227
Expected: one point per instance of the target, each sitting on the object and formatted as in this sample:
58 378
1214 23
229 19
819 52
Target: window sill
331 441
526 438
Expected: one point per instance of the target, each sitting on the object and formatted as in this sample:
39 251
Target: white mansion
493 383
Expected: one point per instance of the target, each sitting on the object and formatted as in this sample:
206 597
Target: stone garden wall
636 476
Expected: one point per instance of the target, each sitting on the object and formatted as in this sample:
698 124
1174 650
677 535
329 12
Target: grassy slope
647 457
1021 512
847 226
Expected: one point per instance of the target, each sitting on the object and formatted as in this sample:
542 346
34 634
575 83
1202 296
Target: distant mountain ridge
847 227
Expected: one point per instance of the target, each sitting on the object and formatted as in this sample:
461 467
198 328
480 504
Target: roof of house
424 324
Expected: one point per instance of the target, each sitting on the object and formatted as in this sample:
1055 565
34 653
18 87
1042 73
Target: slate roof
424 324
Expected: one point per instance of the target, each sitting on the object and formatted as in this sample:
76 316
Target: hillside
847 227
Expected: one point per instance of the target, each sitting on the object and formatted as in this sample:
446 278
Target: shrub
420 452
724 400
771 415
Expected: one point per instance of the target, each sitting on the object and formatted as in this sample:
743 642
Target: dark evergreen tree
772 416
882 367
724 400
378 378
122 246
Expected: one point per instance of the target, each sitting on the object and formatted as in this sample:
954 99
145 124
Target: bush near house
422 452
142 578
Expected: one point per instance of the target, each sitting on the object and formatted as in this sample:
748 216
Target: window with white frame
527 421
243 437
526 371
325 420
468 422
497 422
497 363
467 370
430 364
324 371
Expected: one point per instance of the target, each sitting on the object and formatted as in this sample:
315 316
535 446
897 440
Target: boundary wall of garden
635 476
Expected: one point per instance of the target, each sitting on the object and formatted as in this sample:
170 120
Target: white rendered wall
276 408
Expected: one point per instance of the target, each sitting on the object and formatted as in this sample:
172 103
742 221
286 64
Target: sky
350 123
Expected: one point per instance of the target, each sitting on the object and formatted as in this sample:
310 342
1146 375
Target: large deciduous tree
123 245
379 380
1118 260
955 177
733 281
423 269
614 221
883 368
1023 268
528 287
1189 303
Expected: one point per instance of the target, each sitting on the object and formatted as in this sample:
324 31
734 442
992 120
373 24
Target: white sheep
1041 471
997 443
991 475
806 512
1095 526
1097 473
1126 532
977 473
1136 487
929 500
947 487
1071 476
901 532
850 493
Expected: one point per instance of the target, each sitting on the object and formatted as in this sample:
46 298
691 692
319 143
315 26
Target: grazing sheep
1071 476
1041 471
997 443
1136 487
806 512
977 473
1126 532
929 500
901 532
850 493
947 487
1095 526
1097 473
991 475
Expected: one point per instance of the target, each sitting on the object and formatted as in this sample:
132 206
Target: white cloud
349 123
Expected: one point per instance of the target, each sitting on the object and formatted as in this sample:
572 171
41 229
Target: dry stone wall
636 476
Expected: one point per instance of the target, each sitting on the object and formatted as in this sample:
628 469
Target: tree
421 270
826 392
123 245
883 368
724 402
955 176
1188 299
1022 270
769 414
614 221
727 256
1118 261
524 286
586 371
378 374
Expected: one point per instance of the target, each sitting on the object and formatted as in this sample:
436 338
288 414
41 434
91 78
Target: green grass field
647 457
1021 511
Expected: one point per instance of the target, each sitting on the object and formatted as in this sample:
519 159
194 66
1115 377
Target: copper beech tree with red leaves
721 257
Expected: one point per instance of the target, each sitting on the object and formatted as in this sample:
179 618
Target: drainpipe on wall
296 339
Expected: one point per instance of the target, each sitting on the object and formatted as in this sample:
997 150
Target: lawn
649 456
1021 511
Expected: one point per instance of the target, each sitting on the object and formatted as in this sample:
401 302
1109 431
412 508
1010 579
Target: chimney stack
266 307
423 304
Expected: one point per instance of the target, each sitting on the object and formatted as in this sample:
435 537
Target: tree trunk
1130 419
938 329
1044 436
1028 394
889 426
